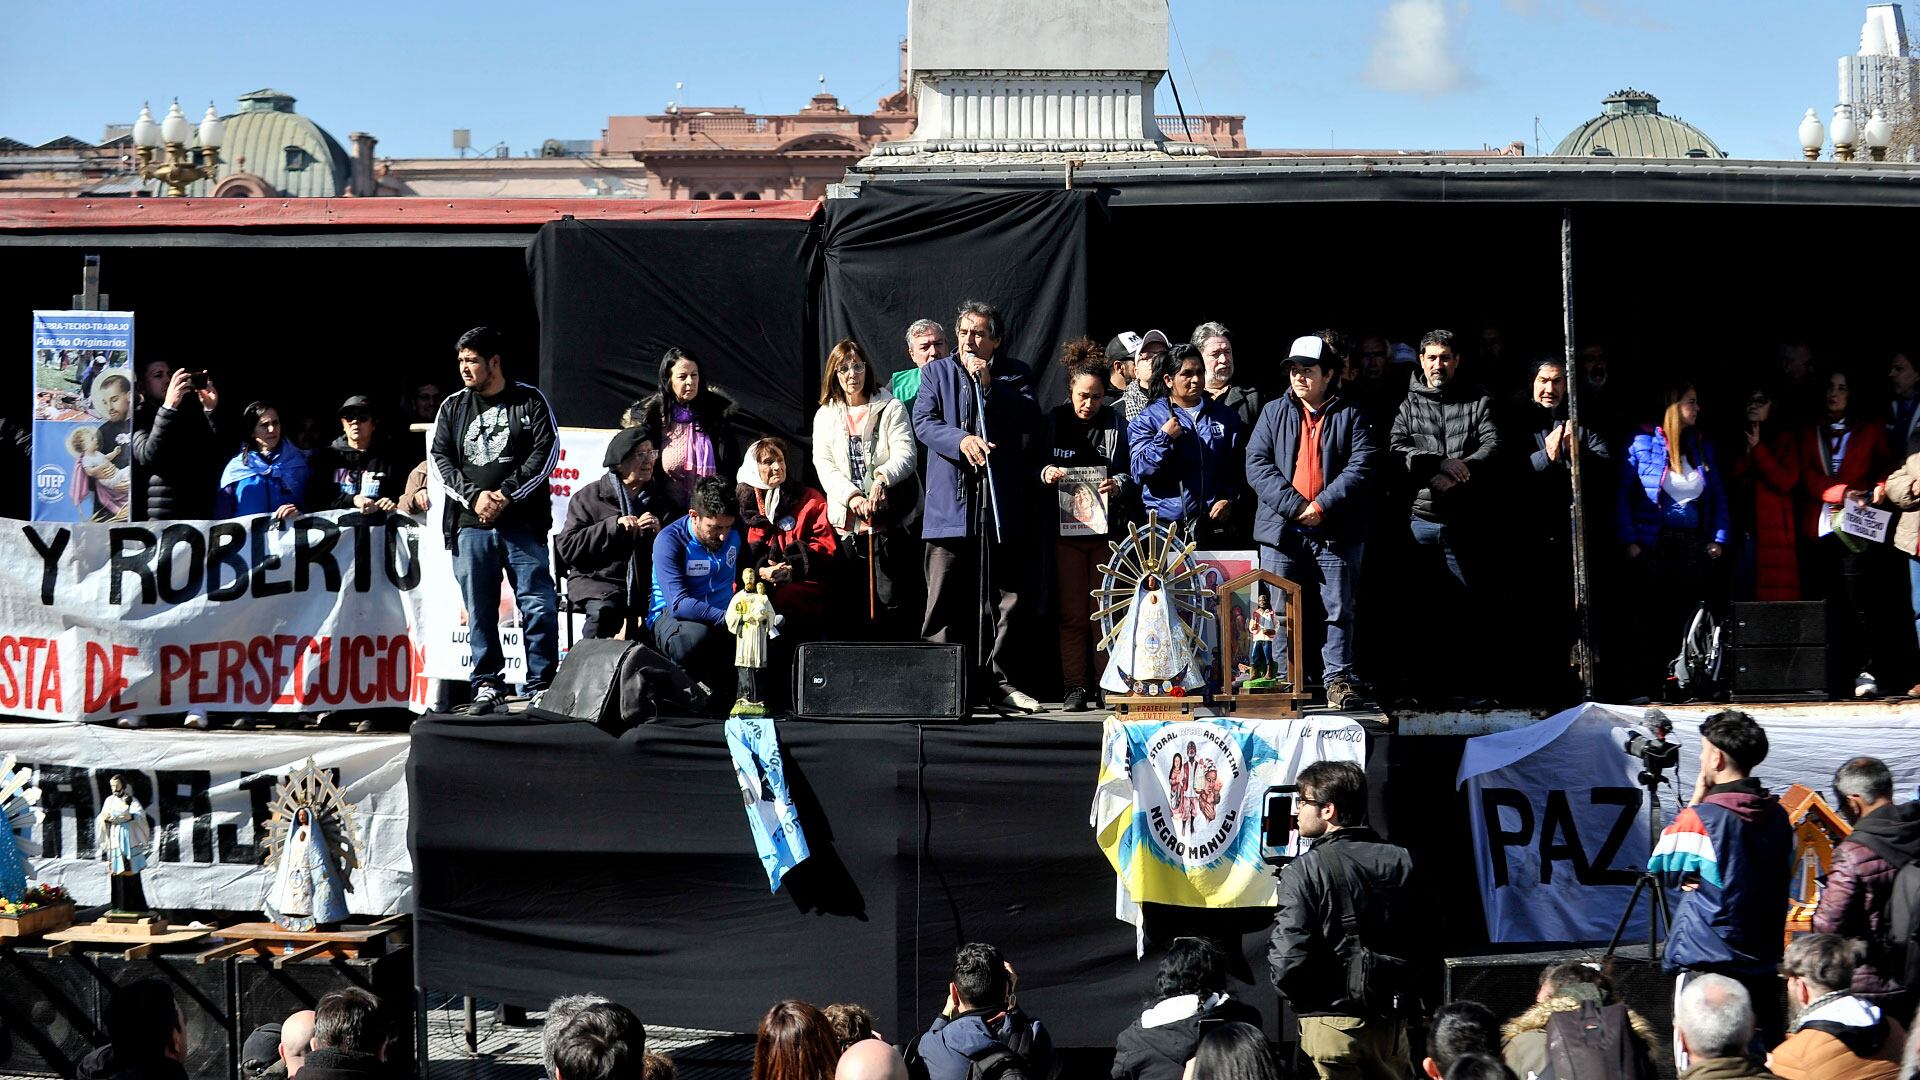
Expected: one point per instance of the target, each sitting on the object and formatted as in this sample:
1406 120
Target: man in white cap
1310 461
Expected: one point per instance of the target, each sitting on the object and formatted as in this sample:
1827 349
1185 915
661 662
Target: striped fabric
1686 848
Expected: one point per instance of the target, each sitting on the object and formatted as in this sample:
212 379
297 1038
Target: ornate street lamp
1846 133
178 169
1879 135
1813 135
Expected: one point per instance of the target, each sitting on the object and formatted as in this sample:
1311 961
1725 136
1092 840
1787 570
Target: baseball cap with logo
1124 345
1149 338
1307 349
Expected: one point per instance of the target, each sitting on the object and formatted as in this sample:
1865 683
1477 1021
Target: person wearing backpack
982 1034
1339 951
1867 876
1578 1015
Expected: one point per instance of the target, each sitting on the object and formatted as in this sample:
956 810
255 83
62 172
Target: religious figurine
312 851
124 839
1153 645
751 618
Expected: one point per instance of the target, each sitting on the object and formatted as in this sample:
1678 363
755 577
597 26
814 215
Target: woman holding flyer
1087 464
1843 461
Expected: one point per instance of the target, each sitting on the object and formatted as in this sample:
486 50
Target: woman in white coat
863 454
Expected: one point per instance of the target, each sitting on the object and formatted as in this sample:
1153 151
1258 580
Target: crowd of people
1352 955
1392 481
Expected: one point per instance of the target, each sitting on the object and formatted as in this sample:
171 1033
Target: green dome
292 154
1632 126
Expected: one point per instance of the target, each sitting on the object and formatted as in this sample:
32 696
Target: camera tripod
1659 919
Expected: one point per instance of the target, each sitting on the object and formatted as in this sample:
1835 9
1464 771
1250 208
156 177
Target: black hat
622 444
356 402
263 1045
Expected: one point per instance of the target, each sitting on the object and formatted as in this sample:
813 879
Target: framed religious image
1260 633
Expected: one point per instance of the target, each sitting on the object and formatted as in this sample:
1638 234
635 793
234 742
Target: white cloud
1415 51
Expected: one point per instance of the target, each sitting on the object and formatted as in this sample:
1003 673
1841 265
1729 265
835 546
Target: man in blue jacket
1309 462
981 1031
695 562
1731 851
975 472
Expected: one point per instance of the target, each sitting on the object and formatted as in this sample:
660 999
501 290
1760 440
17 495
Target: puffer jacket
1305 953
1643 503
176 462
1860 882
1736 847
1843 1039
1457 422
1903 490
1767 479
1181 478
1158 1044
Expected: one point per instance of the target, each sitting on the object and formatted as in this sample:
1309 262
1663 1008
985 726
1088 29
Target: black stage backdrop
613 296
553 858
891 257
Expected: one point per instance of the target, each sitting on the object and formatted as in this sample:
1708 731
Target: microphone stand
984 622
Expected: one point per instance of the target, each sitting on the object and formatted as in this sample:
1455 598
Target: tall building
1882 74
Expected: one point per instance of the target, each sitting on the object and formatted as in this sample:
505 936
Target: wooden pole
1582 591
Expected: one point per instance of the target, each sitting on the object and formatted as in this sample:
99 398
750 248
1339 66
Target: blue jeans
479 558
1332 565
1453 606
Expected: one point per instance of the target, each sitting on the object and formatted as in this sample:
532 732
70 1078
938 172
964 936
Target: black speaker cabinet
1779 623
1778 673
267 994
587 686
1508 982
205 995
882 681
49 1013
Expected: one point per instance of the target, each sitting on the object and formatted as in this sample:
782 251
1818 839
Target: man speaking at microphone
973 414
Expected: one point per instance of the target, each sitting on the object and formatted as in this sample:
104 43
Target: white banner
206 797
1559 816
444 611
247 615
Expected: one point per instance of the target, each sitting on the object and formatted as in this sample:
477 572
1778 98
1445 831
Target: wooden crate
37 920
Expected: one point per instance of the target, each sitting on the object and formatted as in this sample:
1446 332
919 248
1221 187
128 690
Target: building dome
282 151
1631 125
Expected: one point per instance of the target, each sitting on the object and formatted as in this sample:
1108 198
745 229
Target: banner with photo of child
82 415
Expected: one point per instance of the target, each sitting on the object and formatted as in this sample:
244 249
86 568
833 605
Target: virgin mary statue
1153 649
307 890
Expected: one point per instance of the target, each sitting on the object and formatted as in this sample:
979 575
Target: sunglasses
356 417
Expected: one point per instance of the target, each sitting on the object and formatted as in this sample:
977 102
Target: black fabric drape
613 296
554 858
891 257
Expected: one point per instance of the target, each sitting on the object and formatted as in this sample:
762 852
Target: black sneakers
1075 699
485 700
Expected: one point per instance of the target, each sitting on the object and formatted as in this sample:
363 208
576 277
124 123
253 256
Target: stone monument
1037 80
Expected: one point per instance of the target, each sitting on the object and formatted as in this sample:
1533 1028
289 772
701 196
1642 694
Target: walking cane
872 589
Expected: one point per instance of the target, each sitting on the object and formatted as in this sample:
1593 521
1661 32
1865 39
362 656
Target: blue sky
1357 73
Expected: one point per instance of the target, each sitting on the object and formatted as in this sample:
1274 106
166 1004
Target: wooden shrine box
1233 601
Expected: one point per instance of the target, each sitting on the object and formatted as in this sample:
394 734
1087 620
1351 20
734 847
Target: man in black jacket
607 541
1348 892
176 451
351 473
350 1038
1446 436
494 445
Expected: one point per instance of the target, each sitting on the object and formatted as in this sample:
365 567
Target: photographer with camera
1341 933
1731 852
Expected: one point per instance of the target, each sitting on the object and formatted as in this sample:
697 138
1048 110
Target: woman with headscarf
789 540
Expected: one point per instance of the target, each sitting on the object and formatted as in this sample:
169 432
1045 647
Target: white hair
924 326
1715 1016
1207 331
560 1013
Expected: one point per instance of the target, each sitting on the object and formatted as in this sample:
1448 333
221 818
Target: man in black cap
351 473
606 544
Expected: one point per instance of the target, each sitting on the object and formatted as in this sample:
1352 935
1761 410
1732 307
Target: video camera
1654 751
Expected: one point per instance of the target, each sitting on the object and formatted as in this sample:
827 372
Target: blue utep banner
757 765
83 402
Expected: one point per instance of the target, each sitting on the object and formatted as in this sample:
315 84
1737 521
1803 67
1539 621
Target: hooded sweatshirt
1736 845
949 1045
1842 1038
1158 1044
1860 883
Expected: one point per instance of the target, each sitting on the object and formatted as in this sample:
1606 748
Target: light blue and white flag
762 774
